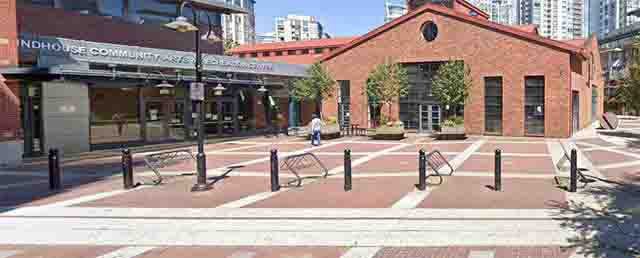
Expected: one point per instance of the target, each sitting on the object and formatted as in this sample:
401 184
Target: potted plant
451 88
386 83
390 131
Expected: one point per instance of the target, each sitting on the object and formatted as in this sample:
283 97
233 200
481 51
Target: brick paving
603 157
445 147
465 251
39 194
281 147
530 165
329 161
625 174
528 148
245 252
329 193
17 179
70 251
357 147
392 163
455 193
596 141
177 194
214 161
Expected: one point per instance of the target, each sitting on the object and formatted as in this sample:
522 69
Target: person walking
316 126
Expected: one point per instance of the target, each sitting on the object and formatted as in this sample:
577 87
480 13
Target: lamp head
212 38
181 24
164 85
262 89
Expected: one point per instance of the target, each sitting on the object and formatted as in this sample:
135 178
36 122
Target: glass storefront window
114 123
164 114
534 105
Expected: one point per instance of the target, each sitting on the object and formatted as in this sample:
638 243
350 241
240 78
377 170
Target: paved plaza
384 215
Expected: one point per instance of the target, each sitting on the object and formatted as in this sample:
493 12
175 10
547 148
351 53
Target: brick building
523 84
304 52
294 52
81 76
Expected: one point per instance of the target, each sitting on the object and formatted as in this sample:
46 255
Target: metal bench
297 162
437 161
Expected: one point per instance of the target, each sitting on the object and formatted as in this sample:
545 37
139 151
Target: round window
429 31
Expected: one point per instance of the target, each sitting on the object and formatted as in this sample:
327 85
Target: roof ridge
452 13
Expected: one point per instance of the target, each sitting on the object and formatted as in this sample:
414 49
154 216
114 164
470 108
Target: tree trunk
389 104
319 107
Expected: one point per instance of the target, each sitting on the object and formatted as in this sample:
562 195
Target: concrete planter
389 133
327 132
11 153
452 133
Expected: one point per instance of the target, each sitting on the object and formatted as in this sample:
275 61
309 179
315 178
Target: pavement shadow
610 232
74 175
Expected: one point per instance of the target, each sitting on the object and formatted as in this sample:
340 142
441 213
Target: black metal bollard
573 187
55 175
275 180
347 170
127 169
498 171
422 170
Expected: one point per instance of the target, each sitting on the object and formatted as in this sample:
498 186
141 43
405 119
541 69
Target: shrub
332 120
454 122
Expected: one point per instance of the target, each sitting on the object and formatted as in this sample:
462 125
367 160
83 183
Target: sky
339 17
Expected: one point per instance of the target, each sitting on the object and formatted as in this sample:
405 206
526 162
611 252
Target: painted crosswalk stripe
361 252
127 252
411 200
6 254
482 254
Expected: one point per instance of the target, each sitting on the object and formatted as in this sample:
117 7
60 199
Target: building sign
61 51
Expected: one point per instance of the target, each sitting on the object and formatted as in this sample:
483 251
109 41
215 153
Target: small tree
451 85
318 85
229 44
628 93
386 83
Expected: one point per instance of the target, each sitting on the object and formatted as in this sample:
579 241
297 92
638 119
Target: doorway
221 117
32 119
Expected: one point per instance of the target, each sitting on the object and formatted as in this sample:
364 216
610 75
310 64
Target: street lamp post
181 24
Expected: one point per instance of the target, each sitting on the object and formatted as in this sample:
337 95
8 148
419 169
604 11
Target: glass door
31 108
228 118
211 118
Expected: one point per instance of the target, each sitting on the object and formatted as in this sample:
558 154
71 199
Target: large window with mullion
493 105
534 105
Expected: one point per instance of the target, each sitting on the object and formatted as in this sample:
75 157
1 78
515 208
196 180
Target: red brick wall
486 51
587 73
43 21
10 118
10 127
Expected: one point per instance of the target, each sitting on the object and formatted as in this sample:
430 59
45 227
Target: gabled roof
305 44
576 42
459 16
474 8
528 28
